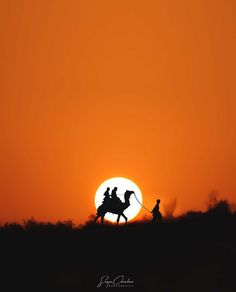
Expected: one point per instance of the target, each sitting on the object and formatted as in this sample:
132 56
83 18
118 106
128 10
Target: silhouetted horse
115 207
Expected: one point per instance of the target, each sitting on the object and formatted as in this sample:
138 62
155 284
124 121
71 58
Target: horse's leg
126 219
118 219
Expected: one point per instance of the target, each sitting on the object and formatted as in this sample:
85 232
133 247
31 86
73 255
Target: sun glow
122 184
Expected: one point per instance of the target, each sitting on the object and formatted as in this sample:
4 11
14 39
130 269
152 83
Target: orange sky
95 89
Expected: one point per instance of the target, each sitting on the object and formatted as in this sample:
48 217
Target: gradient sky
95 89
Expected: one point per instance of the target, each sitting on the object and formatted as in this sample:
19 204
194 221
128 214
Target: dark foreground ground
196 252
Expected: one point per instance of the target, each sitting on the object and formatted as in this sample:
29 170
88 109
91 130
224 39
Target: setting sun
122 184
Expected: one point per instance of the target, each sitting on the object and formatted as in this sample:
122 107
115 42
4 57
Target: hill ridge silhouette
194 251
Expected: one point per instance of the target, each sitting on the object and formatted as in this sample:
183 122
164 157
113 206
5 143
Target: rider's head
115 188
158 201
108 189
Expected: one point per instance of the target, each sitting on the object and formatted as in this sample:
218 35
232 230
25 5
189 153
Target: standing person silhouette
156 212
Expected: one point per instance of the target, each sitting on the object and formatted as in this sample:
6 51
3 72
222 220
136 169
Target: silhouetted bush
221 208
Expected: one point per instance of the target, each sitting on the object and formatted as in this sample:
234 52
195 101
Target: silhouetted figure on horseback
156 213
107 197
